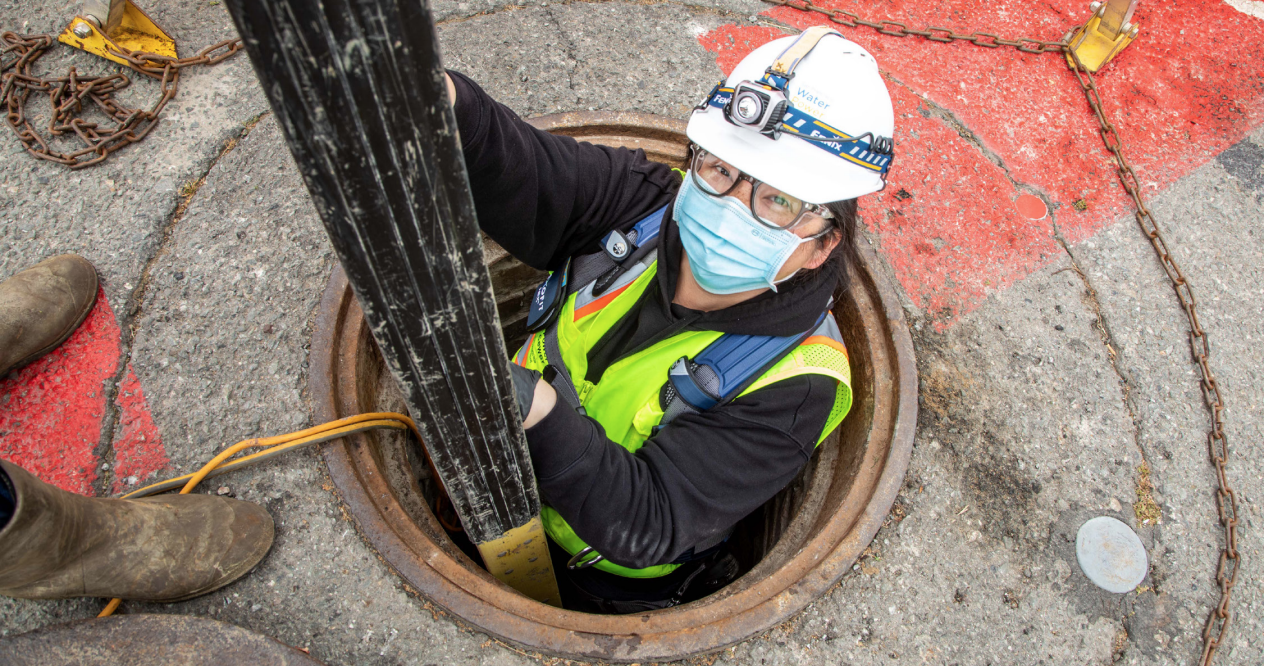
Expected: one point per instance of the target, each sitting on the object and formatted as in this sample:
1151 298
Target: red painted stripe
955 224
138 450
51 410
595 306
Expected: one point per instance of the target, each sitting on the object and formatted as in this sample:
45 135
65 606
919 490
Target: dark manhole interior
410 474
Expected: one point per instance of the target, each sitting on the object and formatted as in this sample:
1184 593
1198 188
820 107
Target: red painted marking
947 221
138 449
51 410
1031 207
1177 99
733 42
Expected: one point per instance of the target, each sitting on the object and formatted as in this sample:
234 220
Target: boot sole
28 360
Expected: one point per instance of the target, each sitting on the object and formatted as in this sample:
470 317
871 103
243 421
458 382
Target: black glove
525 382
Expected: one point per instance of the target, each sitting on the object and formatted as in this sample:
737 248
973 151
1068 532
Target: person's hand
544 398
453 92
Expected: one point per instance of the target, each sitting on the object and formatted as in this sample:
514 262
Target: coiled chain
70 94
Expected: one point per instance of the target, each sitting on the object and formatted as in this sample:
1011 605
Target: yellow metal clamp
127 30
1108 31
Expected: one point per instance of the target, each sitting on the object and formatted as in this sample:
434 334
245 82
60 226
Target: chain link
69 96
933 33
1220 618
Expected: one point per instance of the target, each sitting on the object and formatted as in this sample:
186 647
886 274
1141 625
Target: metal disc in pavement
1111 555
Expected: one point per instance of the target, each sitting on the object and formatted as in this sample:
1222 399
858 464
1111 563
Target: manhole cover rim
675 633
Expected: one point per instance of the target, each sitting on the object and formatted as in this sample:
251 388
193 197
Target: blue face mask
728 250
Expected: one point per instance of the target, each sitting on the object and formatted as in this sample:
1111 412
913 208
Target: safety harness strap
724 369
603 268
590 269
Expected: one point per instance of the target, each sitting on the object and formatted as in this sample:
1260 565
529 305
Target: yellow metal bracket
127 29
521 558
1109 31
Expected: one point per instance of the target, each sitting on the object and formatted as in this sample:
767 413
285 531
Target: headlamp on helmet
833 102
757 107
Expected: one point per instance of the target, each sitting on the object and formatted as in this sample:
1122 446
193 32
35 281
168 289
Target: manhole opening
413 481
798 545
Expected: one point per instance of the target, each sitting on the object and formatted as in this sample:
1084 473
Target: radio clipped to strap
548 298
621 250
617 245
723 370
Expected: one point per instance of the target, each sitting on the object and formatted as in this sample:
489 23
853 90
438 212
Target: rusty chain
69 96
1219 619
932 33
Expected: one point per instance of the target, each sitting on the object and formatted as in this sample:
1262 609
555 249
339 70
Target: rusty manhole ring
820 526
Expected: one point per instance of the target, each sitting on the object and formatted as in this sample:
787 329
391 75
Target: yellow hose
275 446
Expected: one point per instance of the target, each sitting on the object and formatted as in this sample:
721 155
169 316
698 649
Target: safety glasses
770 206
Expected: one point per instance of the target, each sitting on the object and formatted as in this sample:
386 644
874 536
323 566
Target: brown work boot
164 548
41 306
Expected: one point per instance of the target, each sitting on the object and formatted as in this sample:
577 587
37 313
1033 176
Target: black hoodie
546 198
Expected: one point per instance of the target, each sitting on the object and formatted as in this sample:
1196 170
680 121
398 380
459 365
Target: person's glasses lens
712 174
770 206
775 208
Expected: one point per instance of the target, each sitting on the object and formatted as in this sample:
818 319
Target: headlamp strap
801 124
787 61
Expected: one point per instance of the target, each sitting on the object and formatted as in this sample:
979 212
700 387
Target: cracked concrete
1142 309
133 309
572 47
1093 300
1145 507
570 52
118 214
447 12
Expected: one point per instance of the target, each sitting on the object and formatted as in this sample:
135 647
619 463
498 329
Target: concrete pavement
1055 379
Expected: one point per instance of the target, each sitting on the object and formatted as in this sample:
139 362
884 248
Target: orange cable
276 444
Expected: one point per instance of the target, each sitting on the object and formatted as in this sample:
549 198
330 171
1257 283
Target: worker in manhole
56 544
683 364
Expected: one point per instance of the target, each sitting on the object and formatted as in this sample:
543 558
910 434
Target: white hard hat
839 85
